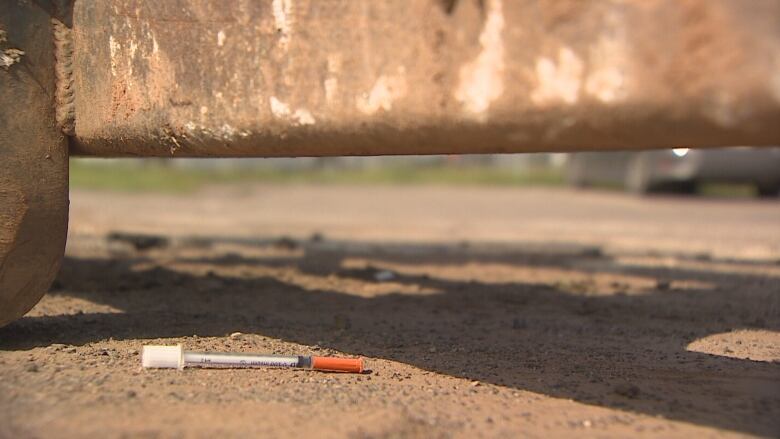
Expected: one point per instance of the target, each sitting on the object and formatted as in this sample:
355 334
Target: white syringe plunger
166 357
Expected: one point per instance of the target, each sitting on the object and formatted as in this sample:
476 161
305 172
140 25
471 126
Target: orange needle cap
354 365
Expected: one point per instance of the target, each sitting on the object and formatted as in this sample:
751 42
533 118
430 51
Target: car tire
575 174
768 190
637 179
685 187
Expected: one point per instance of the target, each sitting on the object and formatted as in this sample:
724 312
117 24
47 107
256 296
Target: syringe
175 357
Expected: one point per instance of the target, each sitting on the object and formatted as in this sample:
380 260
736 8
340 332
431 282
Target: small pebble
384 276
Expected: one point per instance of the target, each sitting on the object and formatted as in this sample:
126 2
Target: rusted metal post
33 159
343 77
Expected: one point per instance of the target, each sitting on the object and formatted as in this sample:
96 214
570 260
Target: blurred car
678 170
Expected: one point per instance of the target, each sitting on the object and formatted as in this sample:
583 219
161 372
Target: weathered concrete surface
33 162
338 77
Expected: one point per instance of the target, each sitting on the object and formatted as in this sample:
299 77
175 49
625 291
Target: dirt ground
494 312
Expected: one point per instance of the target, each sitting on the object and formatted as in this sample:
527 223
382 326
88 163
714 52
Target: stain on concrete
482 80
300 116
558 80
386 90
607 81
282 10
10 56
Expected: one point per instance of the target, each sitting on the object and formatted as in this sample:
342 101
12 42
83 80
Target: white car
679 169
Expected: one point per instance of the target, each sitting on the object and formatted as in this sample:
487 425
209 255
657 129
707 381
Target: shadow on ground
621 349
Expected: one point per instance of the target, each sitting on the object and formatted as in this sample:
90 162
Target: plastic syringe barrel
354 365
213 359
176 357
